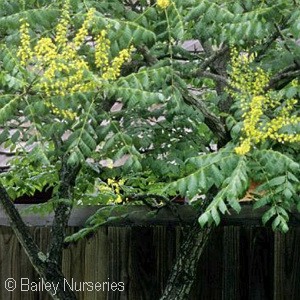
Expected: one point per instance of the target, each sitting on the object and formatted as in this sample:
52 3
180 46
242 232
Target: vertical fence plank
231 263
101 262
279 280
208 283
256 280
143 283
165 241
95 251
287 265
118 260
41 236
6 253
238 263
74 262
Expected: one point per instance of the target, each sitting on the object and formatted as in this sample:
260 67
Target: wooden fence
240 262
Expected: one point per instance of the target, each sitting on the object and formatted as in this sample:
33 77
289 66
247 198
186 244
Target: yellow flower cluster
245 81
113 186
62 27
252 117
24 53
83 31
45 50
64 69
163 4
244 148
114 70
248 87
284 118
64 113
102 51
61 68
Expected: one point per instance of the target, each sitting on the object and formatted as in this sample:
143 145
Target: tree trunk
183 273
49 266
48 270
62 211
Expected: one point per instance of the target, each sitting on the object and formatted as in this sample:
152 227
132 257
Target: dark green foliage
175 103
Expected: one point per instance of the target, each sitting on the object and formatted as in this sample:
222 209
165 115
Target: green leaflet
230 193
134 97
43 17
7 111
206 174
232 23
128 31
145 79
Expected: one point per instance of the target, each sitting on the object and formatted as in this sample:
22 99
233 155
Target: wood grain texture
238 263
231 263
287 265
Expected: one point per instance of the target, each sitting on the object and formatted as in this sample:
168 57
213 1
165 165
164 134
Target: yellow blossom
83 31
61 68
114 70
24 53
62 26
244 148
64 113
115 187
163 4
45 50
102 50
249 88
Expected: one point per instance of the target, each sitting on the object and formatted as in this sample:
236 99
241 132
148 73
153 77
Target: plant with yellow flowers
163 4
61 69
112 188
249 88
170 136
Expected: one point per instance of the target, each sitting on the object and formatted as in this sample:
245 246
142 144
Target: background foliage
182 116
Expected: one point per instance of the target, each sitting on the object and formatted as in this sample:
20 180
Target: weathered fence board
287 260
238 263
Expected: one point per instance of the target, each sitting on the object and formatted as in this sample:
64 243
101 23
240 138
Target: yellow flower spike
62 27
83 31
163 4
255 132
102 50
114 71
114 186
244 148
45 51
250 84
110 181
118 199
24 53
61 68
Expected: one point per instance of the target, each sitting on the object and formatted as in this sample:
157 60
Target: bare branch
210 119
213 57
215 77
282 78
286 46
